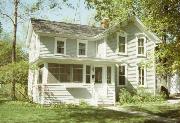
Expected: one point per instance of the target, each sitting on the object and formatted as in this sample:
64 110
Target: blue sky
65 14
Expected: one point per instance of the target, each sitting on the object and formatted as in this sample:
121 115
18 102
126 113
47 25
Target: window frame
141 36
122 34
86 43
55 46
125 65
139 84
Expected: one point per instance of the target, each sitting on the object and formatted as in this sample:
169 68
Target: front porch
67 82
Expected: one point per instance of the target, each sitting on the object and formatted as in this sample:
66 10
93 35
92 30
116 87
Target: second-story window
82 48
122 43
141 48
60 47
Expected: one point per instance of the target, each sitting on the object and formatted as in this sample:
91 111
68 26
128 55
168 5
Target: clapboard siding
131 58
56 93
71 47
47 45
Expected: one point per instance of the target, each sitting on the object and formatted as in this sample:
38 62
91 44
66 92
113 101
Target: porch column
104 74
45 73
113 74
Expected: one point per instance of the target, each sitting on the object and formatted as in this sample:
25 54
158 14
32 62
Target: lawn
22 112
159 109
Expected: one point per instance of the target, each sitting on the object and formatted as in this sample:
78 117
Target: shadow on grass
162 111
102 116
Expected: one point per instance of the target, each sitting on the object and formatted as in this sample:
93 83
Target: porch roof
76 60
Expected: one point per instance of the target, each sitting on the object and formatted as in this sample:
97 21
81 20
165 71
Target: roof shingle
46 26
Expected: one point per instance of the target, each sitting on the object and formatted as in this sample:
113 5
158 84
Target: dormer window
122 43
60 46
82 48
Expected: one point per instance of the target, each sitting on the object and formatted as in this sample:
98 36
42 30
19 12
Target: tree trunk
14 48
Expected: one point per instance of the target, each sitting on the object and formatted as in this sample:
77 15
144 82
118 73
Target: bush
141 96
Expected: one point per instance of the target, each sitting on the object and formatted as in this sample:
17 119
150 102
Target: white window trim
55 46
141 36
123 34
137 75
85 42
126 75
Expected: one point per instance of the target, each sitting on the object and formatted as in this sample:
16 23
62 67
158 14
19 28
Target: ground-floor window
141 75
108 74
66 72
122 75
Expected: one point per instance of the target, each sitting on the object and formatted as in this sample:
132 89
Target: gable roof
77 30
138 23
46 26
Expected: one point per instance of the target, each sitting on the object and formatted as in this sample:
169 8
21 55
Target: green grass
23 112
159 109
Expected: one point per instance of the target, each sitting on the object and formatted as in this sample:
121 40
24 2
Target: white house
81 63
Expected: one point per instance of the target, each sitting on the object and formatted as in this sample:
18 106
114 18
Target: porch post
44 82
113 74
45 73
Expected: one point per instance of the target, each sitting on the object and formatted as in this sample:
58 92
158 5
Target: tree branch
4 14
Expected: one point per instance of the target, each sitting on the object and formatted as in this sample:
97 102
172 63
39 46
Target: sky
66 14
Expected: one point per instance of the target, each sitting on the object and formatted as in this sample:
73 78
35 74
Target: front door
100 86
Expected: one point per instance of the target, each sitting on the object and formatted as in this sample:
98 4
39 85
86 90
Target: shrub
125 96
141 96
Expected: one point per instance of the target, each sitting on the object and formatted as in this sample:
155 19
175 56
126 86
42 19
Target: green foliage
6 51
168 59
21 92
17 71
141 96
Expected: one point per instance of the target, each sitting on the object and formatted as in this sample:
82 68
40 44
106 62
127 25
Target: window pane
108 74
82 52
77 73
122 42
121 80
88 79
121 70
141 46
122 77
88 69
141 75
82 48
98 74
60 47
141 42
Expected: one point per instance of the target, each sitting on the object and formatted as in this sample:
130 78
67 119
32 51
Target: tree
23 10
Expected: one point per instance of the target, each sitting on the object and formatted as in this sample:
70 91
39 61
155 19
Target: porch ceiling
55 59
